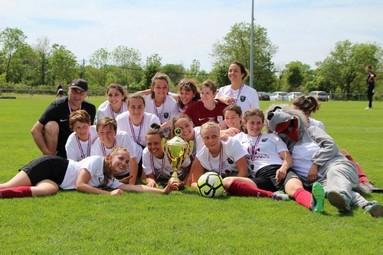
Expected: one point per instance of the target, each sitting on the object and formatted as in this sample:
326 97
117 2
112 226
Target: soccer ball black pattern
210 185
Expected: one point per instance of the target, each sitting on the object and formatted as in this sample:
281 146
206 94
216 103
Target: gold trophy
176 149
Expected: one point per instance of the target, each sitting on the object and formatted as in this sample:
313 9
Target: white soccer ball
210 185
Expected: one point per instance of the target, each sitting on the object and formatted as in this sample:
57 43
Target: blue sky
180 31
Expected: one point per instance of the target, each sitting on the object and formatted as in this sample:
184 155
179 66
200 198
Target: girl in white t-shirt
79 143
237 92
115 105
268 157
155 163
159 102
108 139
136 122
227 158
47 174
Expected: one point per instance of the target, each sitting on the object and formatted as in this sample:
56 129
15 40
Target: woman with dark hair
159 102
208 108
116 103
237 92
188 93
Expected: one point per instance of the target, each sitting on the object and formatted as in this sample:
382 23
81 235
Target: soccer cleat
373 208
318 195
338 201
280 195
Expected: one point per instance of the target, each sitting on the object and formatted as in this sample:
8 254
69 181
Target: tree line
46 65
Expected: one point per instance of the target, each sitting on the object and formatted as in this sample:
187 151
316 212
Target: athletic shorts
291 175
265 178
46 168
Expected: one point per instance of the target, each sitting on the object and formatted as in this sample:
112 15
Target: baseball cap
80 84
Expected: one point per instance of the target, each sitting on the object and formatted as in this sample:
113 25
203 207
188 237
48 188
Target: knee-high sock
303 197
240 188
20 191
361 174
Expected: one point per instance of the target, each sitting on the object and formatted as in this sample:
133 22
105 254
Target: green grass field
184 223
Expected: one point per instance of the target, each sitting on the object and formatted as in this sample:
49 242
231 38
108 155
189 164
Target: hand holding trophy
176 149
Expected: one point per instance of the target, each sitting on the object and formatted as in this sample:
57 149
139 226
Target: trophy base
174 179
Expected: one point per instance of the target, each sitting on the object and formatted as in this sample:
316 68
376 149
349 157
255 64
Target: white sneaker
280 195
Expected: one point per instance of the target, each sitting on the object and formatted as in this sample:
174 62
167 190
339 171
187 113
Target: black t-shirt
371 78
58 111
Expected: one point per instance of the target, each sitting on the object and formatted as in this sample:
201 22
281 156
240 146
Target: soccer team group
295 159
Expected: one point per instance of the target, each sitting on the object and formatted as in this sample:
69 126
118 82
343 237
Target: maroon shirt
200 115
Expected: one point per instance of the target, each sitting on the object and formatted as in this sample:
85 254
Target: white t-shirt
302 155
122 140
246 97
198 142
136 133
95 166
159 167
76 149
224 163
165 112
105 110
262 150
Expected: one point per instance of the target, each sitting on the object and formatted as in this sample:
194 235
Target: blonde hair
209 125
118 150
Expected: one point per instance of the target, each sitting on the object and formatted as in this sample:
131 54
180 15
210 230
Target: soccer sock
303 197
361 174
20 191
240 188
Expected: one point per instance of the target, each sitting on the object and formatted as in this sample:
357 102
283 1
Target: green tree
62 65
236 47
174 71
24 67
100 59
128 61
195 71
11 39
152 66
344 69
295 75
43 50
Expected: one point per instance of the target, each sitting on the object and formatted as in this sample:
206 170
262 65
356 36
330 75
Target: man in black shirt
51 131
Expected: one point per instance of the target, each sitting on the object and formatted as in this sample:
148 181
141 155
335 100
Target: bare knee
292 186
45 188
51 129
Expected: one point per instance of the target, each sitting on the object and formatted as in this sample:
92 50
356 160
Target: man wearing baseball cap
51 131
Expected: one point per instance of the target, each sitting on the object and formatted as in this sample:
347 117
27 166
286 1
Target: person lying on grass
47 174
316 157
228 159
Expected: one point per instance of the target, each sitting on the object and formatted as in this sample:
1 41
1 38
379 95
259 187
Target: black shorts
265 178
46 168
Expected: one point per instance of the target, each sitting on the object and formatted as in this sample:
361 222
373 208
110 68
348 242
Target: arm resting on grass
82 184
143 188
